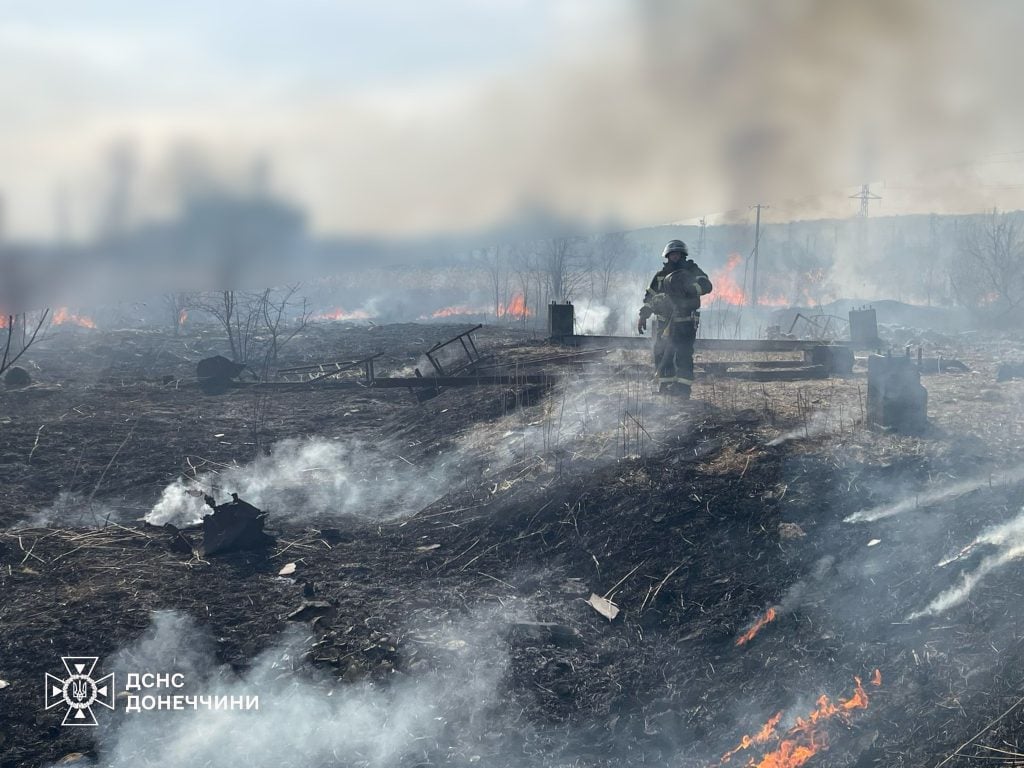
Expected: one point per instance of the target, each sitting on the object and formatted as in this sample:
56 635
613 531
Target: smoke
643 113
437 714
303 478
936 496
820 423
592 317
70 508
1007 537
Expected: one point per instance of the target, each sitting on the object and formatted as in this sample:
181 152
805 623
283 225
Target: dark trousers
673 351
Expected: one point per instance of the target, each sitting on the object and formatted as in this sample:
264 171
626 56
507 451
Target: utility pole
700 237
757 242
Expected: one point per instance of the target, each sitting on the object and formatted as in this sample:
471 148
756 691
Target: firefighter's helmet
675 246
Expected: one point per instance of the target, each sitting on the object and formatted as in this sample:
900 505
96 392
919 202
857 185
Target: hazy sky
412 116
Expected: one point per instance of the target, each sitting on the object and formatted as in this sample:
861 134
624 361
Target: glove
641 324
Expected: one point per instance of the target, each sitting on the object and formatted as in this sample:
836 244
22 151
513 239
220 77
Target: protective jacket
675 291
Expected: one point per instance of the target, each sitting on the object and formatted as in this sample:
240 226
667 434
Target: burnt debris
233 527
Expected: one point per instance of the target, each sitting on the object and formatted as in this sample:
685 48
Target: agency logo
79 691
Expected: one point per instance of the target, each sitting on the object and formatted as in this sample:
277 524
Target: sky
405 117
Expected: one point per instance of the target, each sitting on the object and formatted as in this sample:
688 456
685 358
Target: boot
682 391
666 387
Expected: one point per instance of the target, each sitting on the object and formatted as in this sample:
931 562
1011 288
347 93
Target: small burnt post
896 398
864 328
561 320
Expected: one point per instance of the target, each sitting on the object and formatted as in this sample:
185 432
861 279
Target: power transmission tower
754 255
865 195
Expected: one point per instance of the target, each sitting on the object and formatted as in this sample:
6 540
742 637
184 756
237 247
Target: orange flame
516 308
63 316
806 738
876 677
341 314
3 320
182 317
459 310
724 281
762 736
746 637
728 290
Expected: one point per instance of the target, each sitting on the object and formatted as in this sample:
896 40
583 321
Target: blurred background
395 147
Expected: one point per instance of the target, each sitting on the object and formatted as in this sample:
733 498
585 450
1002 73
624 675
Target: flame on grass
768 617
341 314
807 737
761 737
516 308
728 287
63 316
457 311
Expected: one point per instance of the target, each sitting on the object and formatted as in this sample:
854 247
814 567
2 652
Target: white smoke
299 721
596 419
1008 537
591 317
70 509
819 423
936 496
308 477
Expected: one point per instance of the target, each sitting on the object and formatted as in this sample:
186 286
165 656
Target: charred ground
688 517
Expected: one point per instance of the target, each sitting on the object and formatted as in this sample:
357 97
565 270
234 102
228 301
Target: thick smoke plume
645 113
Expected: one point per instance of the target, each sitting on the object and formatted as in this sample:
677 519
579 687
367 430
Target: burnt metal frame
473 356
318 371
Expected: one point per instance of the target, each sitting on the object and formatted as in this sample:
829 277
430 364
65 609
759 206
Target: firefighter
674 299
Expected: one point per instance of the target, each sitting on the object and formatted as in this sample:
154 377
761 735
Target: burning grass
806 737
599 487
